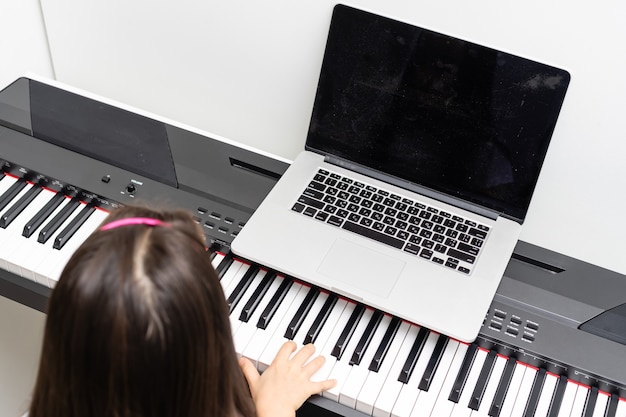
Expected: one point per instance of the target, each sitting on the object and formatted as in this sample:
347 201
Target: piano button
17 208
414 354
256 297
590 404
236 308
37 220
247 329
55 266
13 257
547 392
301 313
409 392
348 331
358 371
391 387
611 409
275 303
376 378
264 335
66 234
427 399
337 321
224 265
483 378
503 386
320 320
459 383
524 391
491 387
433 363
511 393
381 352
278 339
557 398
342 367
57 221
578 406
535 392
601 405
462 407
245 282
366 338
13 191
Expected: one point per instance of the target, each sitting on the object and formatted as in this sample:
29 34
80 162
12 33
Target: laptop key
372 234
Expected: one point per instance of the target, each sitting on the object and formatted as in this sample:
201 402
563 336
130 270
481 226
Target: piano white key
6 234
342 367
443 406
217 259
461 408
568 399
621 408
427 399
233 272
278 338
29 260
392 386
490 389
579 401
339 318
6 182
549 385
9 253
234 315
514 386
524 392
358 374
261 337
375 380
409 392
246 330
601 403
309 319
64 254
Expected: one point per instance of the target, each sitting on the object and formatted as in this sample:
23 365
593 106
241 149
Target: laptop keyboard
419 229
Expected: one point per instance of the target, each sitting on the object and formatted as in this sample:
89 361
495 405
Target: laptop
421 157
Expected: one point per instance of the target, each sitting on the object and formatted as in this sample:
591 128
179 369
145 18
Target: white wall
247 70
23 49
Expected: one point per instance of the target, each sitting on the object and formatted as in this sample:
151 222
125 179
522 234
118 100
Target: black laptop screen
436 111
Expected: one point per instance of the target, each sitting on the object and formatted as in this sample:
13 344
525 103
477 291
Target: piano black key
611 408
274 303
10 194
48 230
381 353
67 233
38 219
18 207
557 398
347 332
225 263
483 378
257 296
535 393
503 387
366 338
411 360
242 286
320 320
433 363
590 404
461 377
303 310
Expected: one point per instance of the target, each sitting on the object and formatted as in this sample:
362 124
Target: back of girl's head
138 326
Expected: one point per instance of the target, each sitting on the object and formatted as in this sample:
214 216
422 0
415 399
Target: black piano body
552 313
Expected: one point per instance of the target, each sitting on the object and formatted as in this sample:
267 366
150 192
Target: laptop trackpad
361 267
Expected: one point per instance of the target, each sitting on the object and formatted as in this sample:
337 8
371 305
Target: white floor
21 332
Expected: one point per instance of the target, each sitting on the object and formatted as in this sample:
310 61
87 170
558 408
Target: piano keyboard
384 366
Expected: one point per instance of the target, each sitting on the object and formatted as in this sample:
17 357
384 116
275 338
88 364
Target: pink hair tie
129 221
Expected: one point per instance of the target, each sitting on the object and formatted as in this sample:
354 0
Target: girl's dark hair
138 326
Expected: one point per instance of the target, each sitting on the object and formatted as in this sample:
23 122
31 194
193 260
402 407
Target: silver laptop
421 158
